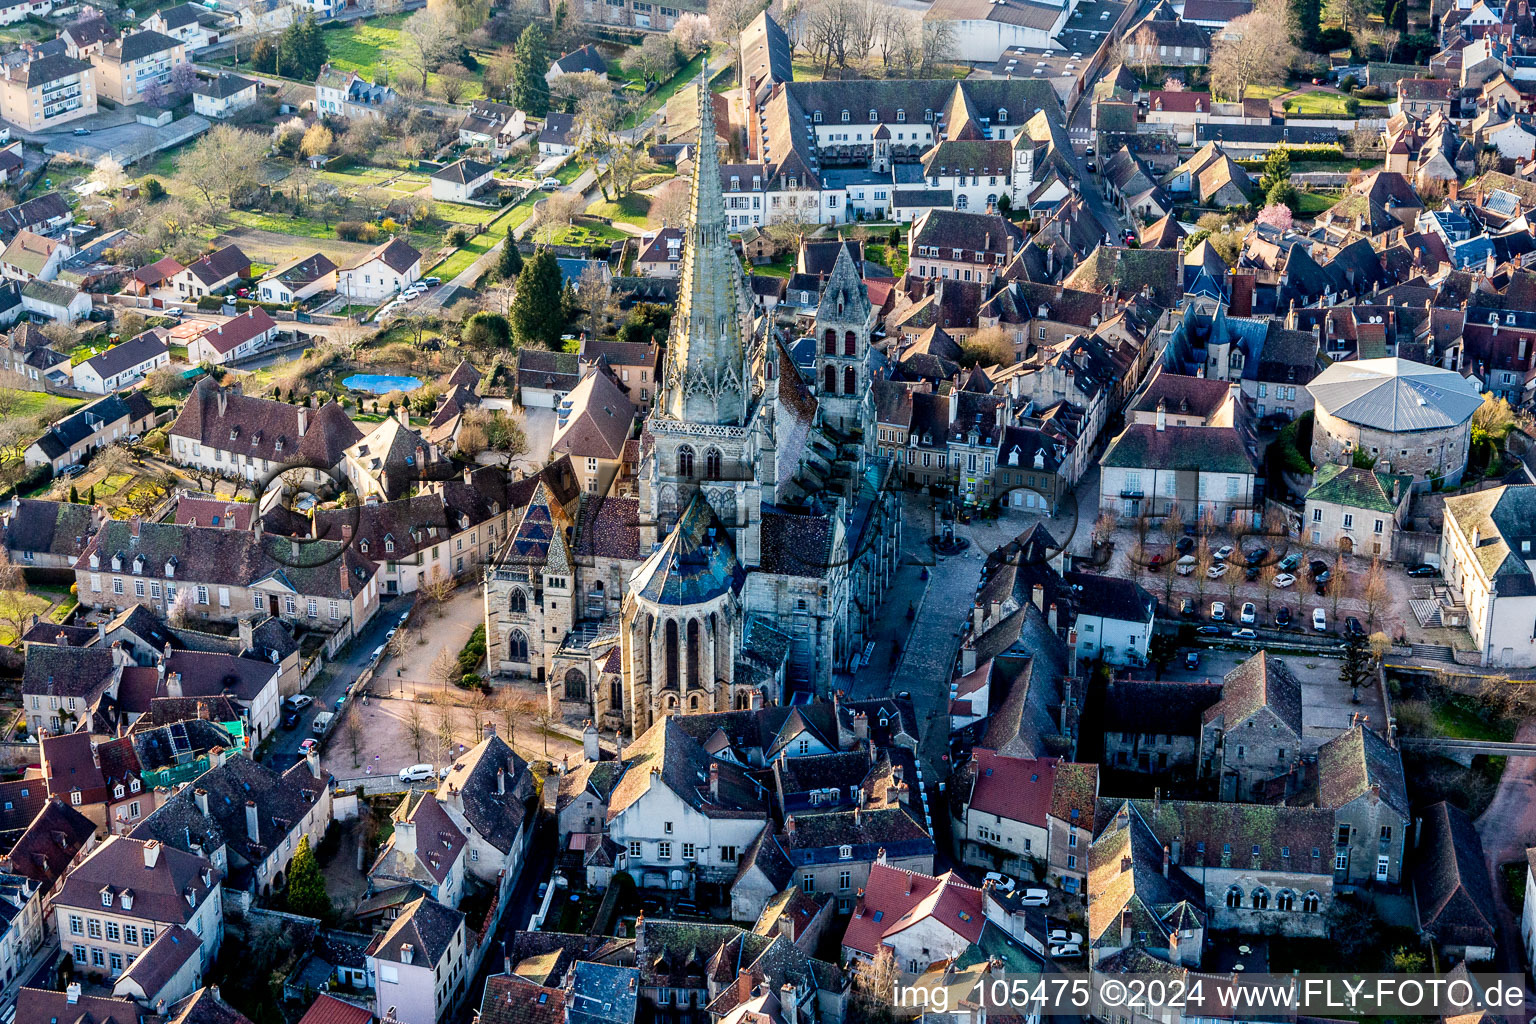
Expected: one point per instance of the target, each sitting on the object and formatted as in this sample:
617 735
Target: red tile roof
241 329
1013 787
327 1009
895 899
1182 102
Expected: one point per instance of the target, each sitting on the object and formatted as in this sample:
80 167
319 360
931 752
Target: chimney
501 782
787 1004
1162 413
714 783
346 582
403 414
247 633
407 953
1477 535
303 420
173 684
1051 617
152 853
72 993
1039 597
909 882
133 530
1125 927
252 821
860 725
200 795
1167 859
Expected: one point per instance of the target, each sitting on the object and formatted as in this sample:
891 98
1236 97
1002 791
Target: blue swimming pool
380 384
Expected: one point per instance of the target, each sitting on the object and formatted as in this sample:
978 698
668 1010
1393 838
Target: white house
234 339
33 257
1486 552
211 273
460 180
55 301
918 917
348 94
298 279
421 964
584 59
385 270
192 24
984 29
122 365
556 138
1114 618
13 11
1151 468
223 95
1515 139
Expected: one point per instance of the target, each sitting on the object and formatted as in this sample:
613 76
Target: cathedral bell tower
845 319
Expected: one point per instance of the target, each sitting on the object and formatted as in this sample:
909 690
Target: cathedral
750 564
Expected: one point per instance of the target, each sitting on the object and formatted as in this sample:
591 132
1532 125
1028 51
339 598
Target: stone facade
1423 453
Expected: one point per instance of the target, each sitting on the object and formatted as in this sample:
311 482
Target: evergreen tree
1357 664
537 313
1277 169
1283 193
530 62
74 495
90 495
487 330
306 885
510 261
1308 15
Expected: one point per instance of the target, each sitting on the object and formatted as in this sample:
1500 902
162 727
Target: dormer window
95 561
927 115
793 181
234 432
117 791
362 546
133 785
117 563
106 897
735 183
816 117
389 544
1002 115
845 117
901 116
845 852
170 567
874 115
277 445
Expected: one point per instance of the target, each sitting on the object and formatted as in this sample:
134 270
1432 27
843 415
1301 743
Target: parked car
549 184
1187 608
1063 936
1319 620
1283 618
299 701
1289 562
1209 631
322 722
1092 167
1069 949
1186 565
377 652
1352 626
543 890
1249 614
1244 634
1253 572
1218 611
1257 555
71 471
1217 571
1322 578
1185 545
1192 660
1422 571
82 131
1284 579
290 719
417 773
340 701
999 881
308 745
432 282
687 908
1222 553
1035 898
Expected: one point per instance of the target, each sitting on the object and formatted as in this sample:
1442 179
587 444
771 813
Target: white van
1319 620
322 722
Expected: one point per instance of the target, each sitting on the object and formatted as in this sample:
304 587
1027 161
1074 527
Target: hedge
214 303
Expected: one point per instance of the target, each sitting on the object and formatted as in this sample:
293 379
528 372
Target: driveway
1507 827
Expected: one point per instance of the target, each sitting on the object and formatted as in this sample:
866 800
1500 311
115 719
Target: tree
1374 591
1144 49
486 330
529 89
428 37
301 49
223 163
509 259
497 73
874 987
989 346
264 55
416 727
1355 669
1306 15
1354 15
536 313
1161 650
317 141
180 612
1254 49
729 18
1283 193
669 204
505 437
444 731
108 172
306 884
1277 216
654 59
570 90
691 32
451 83
1277 169
1337 583
593 293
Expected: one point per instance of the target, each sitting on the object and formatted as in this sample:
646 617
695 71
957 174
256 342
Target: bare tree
691 32
1203 562
1337 583
444 733
1142 49
1254 49
578 87
416 726
355 734
427 37
1374 591
728 19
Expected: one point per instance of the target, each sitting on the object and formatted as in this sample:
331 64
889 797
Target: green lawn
658 98
632 209
18 606
1313 203
462 259
896 258
783 266
1317 104
365 46
1265 92
33 403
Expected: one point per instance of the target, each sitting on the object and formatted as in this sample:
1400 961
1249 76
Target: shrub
472 655
153 189
357 231
457 236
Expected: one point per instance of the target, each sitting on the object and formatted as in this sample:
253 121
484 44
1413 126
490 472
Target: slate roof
665 754
158 964
36 1004
1261 681
48 527
1358 762
1140 706
138 45
595 418
693 564
462 172
264 429
1358 488
1454 893
1206 449
583 58
159 893
426 924
472 782
797 544
205 1007
397 254
302 271
1194 396
88 420
1503 518
56 834
221 264
223 85
80 672
1395 394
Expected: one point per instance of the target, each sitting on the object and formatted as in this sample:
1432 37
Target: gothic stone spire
706 377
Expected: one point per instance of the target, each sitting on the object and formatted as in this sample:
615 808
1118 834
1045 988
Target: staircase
1427 611
1434 652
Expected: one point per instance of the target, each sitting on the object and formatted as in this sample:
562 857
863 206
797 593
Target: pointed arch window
685 461
850 343
517 646
519 602
712 464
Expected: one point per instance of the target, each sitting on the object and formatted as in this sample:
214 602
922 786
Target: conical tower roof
845 297
706 377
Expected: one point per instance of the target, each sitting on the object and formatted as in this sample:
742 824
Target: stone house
1253 733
